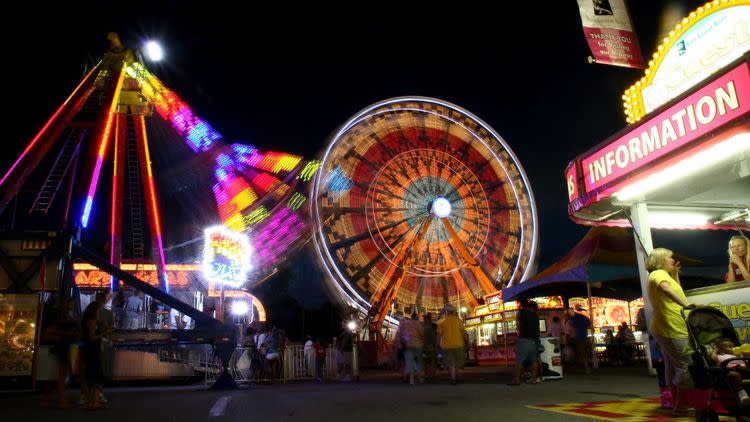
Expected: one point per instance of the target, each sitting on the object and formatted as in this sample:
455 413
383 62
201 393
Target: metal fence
248 366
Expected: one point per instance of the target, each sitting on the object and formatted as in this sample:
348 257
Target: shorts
527 351
454 357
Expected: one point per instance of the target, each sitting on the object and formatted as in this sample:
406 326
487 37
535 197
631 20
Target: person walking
667 325
452 341
105 322
309 357
527 348
577 331
91 354
320 359
410 335
429 348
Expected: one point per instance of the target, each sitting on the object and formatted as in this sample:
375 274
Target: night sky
285 78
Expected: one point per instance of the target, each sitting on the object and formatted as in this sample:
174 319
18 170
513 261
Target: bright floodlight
240 307
154 51
351 325
441 207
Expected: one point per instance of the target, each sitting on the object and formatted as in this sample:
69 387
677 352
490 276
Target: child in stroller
708 328
735 368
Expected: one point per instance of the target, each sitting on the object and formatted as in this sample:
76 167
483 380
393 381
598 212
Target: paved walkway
378 396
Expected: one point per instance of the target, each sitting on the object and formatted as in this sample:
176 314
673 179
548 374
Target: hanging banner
609 33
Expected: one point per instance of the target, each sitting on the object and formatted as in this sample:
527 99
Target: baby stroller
705 325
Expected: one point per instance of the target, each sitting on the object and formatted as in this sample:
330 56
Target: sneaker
745 402
102 399
685 411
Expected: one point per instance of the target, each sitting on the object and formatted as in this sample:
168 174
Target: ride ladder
51 186
135 197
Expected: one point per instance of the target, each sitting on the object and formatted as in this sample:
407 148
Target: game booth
683 162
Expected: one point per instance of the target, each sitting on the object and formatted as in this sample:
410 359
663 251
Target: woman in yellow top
667 326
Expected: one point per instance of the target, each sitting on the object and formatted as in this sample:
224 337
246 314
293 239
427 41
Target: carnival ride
105 121
415 202
418 204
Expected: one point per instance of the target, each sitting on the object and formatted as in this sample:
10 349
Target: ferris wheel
418 203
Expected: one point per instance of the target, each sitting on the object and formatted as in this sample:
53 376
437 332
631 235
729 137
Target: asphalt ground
377 396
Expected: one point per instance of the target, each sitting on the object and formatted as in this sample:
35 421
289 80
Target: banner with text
609 33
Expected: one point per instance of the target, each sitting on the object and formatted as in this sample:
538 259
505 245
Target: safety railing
248 365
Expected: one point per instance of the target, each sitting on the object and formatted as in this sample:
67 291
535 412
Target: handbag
272 355
243 363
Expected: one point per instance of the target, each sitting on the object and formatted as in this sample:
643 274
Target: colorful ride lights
226 256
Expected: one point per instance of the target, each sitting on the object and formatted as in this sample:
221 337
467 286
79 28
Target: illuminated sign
493 317
571 182
473 321
89 276
549 302
481 310
705 41
494 301
226 256
719 102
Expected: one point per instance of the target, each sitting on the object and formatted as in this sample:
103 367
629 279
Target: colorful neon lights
309 170
152 197
276 236
200 136
103 141
46 125
226 256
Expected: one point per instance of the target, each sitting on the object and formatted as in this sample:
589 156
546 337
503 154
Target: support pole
643 247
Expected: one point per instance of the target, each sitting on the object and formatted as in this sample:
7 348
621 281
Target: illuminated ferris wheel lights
441 207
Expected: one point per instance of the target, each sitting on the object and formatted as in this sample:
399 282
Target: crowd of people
423 344
418 343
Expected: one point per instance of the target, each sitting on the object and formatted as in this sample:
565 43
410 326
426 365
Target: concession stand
492 327
683 162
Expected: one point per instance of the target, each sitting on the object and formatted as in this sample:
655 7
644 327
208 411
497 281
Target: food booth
492 327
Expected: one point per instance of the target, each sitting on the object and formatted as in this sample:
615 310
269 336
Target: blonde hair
747 246
657 258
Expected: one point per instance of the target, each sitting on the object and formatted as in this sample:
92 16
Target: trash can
551 359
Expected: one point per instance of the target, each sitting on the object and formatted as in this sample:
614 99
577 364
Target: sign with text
734 303
178 275
571 182
609 33
226 256
706 46
719 102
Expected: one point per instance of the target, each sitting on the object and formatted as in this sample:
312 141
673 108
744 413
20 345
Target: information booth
684 160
